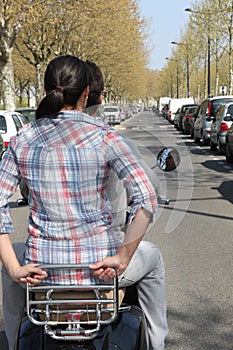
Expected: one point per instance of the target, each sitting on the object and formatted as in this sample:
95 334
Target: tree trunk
216 71
8 85
39 84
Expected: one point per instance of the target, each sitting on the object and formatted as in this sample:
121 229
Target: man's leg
13 299
147 269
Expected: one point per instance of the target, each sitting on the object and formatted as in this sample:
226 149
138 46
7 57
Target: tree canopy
207 43
110 33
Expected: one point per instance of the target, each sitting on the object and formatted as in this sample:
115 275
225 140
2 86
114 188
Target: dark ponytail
65 79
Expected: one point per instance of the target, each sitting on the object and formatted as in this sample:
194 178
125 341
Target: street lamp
208 52
187 64
177 75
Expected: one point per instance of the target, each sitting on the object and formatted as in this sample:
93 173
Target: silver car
220 126
206 114
112 114
10 123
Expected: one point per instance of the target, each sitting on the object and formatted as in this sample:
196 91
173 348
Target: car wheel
196 139
221 149
229 156
213 146
205 142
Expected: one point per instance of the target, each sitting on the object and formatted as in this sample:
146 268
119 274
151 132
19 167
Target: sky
166 20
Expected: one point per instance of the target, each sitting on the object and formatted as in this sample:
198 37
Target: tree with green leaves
109 33
12 16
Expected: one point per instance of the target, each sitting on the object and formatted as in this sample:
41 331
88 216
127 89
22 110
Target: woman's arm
22 274
133 236
142 201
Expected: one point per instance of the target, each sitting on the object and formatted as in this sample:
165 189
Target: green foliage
111 33
209 21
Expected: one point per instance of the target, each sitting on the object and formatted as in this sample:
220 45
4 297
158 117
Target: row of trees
201 61
112 33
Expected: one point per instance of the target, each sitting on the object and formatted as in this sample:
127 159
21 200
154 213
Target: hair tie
59 87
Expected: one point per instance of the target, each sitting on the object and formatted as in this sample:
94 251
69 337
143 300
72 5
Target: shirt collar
79 116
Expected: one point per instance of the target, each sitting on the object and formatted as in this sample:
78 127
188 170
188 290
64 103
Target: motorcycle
86 317
94 317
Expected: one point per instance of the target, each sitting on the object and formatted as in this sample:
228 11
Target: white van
162 102
176 103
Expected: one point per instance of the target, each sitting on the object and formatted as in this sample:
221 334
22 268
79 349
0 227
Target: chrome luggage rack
74 312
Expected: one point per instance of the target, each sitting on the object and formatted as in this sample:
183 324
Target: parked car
10 123
134 109
165 111
193 119
185 119
207 112
176 118
28 112
176 103
123 117
1 146
220 126
112 114
229 145
162 102
128 112
181 114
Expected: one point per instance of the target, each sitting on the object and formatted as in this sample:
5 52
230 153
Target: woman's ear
86 92
85 96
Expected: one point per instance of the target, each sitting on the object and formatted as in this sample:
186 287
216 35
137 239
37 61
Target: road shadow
201 151
226 190
217 165
203 325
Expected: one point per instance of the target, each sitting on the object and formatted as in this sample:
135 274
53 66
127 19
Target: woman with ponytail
64 157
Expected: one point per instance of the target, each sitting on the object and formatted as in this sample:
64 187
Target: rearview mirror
2 155
168 159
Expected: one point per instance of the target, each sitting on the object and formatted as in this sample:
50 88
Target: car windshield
3 127
230 110
191 110
110 109
229 113
184 109
29 114
216 104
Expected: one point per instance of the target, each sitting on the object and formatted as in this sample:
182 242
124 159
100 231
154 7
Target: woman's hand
104 268
30 274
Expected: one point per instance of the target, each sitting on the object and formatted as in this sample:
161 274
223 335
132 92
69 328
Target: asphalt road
194 234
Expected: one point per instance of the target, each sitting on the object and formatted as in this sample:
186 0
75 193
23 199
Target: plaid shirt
65 163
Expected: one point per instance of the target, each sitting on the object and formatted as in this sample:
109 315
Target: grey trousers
146 268
13 299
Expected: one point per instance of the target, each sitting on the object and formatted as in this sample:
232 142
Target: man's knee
153 253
